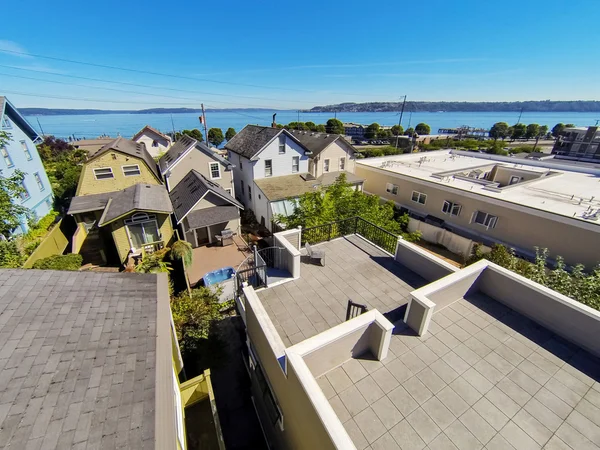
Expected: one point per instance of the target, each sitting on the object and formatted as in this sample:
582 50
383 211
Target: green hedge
60 262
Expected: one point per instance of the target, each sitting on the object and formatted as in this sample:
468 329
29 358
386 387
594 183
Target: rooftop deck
355 270
483 377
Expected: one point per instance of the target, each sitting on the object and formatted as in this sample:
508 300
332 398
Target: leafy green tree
543 131
532 131
195 133
558 129
570 125
215 136
422 128
335 126
311 126
372 130
519 131
11 188
10 255
397 130
230 133
321 128
301 126
499 131
72 261
409 131
384 134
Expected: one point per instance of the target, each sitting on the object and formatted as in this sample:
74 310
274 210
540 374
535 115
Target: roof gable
317 142
139 197
6 108
250 141
129 148
151 130
172 157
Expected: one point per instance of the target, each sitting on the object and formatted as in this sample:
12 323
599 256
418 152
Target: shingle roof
131 148
184 143
212 216
78 359
191 189
139 197
251 140
315 142
153 130
94 202
7 108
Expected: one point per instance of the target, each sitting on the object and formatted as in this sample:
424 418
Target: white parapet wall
289 242
422 262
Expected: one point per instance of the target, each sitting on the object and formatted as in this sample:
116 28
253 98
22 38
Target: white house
156 142
273 166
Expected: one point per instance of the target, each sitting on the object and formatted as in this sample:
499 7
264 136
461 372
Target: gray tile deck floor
484 377
354 270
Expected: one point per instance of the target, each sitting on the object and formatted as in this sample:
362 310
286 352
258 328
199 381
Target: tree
499 131
570 125
230 133
321 129
519 131
301 126
335 126
423 128
11 188
532 131
311 126
384 134
558 129
195 133
409 132
543 131
397 130
372 130
215 136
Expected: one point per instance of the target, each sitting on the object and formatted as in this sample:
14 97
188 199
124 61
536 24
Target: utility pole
173 127
298 121
203 122
400 119
520 114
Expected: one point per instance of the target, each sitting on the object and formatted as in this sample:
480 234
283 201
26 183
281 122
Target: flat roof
287 186
572 192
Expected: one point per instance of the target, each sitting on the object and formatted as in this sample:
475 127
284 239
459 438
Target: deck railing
353 225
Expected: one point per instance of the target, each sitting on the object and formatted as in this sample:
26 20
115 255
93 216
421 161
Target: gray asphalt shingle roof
184 143
77 359
93 202
131 148
212 216
315 142
251 140
139 197
191 189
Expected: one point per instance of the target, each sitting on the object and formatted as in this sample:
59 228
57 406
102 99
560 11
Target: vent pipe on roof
274 123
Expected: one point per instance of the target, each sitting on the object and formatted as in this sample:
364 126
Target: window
241 165
103 173
38 180
143 229
228 190
342 163
215 170
295 164
391 188
49 203
282 146
26 151
268 168
6 122
6 157
325 165
485 219
25 193
154 143
242 187
419 197
268 398
451 208
249 192
514 180
130 171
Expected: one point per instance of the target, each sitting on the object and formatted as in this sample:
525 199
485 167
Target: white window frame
6 123
112 175
25 148
24 195
281 146
139 172
449 207
210 170
514 179
38 180
420 195
295 164
141 219
391 188
326 165
342 163
6 156
490 220
269 174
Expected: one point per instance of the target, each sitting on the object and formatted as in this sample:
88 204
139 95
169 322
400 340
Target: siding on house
282 164
334 152
199 161
149 138
122 240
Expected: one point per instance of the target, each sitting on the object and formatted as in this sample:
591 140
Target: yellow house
121 207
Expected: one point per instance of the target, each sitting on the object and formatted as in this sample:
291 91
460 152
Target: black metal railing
353 225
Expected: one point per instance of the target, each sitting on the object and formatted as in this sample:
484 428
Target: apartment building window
485 219
215 170
103 173
282 146
132 170
38 180
249 192
391 188
268 168
451 208
325 165
342 163
26 151
419 197
6 157
24 193
295 164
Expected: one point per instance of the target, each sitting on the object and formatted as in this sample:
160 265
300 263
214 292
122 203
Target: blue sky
297 54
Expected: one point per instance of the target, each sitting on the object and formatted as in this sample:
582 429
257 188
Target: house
423 355
354 130
121 206
186 154
156 142
91 360
581 143
522 203
20 153
274 166
91 146
204 209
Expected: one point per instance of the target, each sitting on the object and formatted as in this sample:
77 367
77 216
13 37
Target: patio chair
315 254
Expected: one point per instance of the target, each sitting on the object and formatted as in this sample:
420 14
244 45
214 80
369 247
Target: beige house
156 142
522 204
187 154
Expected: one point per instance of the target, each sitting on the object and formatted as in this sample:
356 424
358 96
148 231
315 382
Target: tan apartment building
493 199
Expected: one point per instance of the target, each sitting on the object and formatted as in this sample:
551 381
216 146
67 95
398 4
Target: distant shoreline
88 112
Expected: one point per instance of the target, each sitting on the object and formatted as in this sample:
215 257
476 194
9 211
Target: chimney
274 124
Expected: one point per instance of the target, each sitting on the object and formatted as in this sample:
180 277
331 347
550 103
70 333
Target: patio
212 257
355 270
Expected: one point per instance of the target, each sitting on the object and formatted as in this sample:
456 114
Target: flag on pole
202 120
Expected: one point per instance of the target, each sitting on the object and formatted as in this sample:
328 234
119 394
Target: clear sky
234 53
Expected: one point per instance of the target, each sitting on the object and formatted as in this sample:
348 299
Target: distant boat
441 111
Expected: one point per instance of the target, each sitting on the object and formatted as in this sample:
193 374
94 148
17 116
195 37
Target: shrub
182 250
59 262
10 256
